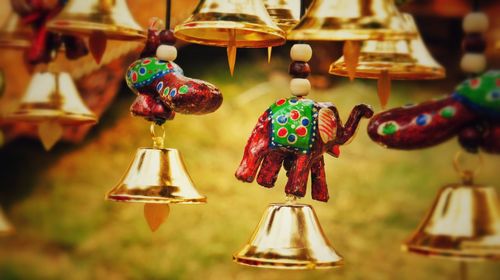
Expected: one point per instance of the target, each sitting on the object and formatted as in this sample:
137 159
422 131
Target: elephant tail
420 126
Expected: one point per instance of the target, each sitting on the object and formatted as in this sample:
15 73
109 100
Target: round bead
299 69
166 53
300 87
475 22
301 52
473 63
473 43
167 37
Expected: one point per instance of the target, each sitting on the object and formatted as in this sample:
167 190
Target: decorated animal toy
295 132
161 87
472 113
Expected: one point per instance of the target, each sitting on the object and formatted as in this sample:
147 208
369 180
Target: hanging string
302 13
167 14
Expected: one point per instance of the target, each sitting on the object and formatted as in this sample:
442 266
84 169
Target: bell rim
315 34
63 118
447 254
86 28
409 72
145 199
277 36
293 265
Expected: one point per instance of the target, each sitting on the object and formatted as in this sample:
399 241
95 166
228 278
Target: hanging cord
467 173
157 135
168 8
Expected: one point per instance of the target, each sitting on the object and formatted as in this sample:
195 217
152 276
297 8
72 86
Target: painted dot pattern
447 112
144 71
293 123
388 128
481 94
423 119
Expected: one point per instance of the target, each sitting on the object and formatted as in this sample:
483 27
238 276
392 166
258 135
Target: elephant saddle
293 124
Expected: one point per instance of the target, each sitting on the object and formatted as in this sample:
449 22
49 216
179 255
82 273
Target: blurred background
66 230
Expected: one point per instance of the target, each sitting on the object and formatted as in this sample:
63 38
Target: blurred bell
463 223
156 175
84 17
403 59
5 227
343 20
238 23
13 34
52 97
289 236
285 13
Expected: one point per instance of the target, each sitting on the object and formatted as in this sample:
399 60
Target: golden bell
351 20
156 176
289 236
13 34
83 17
285 13
403 59
463 224
238 23
5 226
52 97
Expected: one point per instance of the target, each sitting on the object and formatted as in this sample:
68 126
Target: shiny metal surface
51 97
285 13
156 176
288 236
13 34
83 17
463 223
5 226
215 22
340 20
402 59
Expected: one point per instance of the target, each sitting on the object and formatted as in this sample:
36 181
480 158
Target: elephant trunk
349 129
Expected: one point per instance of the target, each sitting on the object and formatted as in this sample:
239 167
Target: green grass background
66 230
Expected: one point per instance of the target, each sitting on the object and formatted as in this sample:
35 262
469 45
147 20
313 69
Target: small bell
52 97
156 175
289 236
463 223
342 20
5 226
403 59
84 17
285 13
13 34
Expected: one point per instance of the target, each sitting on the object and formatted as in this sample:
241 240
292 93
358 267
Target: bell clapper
351 51
50 132
384 88
231 50
269 53
156 214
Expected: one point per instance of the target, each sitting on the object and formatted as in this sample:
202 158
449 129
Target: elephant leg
297 175
256 148
270 168
319 188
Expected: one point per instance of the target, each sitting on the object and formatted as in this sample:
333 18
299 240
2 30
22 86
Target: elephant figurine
472 113
296 132
161 87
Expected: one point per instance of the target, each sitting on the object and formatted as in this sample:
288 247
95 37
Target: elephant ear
327 125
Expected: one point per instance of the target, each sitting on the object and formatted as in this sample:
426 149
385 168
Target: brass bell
345 20
289 236
84 17
285 13
402 60
238 23
13 34
52 97
156 175
5 226
463 223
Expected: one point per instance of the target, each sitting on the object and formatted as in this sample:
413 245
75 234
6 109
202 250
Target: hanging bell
345 20
285 13
463 223
289 236
52 97
13 34
156 175
238 23
402 59
5 226
84 17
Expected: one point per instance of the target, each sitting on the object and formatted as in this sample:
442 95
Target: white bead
166 53
473 63
475 22
301 52
300 87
